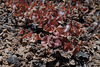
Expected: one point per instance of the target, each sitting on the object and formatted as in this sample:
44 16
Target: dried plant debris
49 33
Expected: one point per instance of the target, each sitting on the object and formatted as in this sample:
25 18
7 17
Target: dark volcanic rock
90 30
83 56
14 60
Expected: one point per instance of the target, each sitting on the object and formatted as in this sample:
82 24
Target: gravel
17 52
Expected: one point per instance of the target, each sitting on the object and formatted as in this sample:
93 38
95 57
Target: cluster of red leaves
19 6
56 41
51 41
48 16
28 35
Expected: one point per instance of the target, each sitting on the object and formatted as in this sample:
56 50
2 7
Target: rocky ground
16 52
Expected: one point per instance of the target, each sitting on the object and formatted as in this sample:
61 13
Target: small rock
6 50
91 58
4 30
2 5
90 64
82 55
96 61
57 64
14 60
90 30
97 42
95 23
98 48
20 23
97 56
10 53
5 35
72 62
9 20
95 48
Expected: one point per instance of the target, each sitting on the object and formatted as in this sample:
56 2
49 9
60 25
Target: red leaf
29 34
60 29
80 42
65 39
37 38
74 41
68 46
45 27
20 32
24 36
76 50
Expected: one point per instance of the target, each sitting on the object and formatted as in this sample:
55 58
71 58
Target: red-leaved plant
56 19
